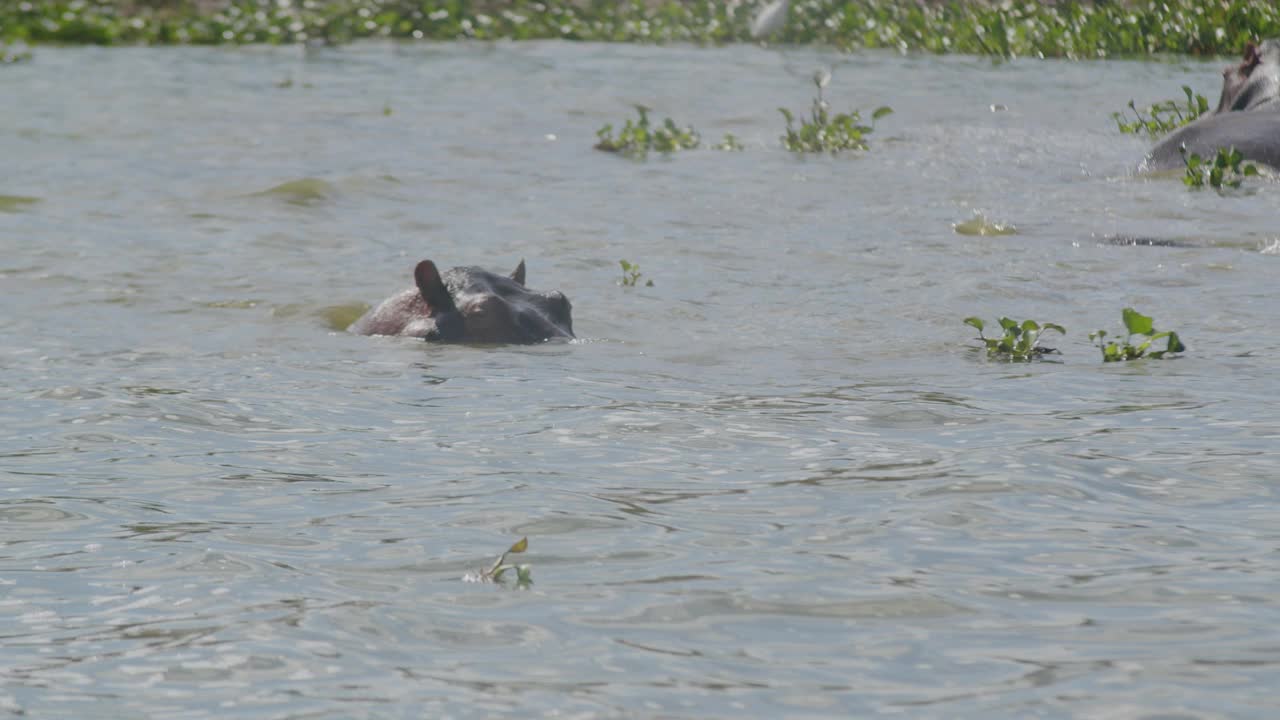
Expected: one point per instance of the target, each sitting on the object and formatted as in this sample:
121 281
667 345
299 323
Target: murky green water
777 483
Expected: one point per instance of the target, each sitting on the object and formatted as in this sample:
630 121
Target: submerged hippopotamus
1247 117
467 304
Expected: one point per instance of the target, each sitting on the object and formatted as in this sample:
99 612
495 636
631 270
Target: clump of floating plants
1143 328
637 138
1018 342
824 131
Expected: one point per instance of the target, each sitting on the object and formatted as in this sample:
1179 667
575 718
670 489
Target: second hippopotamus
1247 117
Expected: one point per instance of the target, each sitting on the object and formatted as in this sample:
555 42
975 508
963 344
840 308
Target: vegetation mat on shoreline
1012 28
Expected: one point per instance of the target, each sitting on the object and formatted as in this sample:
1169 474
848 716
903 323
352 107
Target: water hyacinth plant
1142 326
824 132
1020 341
631 275
1006 28
1162 117
1227 170
637 138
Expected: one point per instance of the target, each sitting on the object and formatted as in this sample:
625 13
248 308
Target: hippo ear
518 273
432 287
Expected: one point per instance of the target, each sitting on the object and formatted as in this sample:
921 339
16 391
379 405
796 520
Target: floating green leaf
1135 322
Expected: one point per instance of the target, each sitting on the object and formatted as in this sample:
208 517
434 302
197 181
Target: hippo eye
485 306
559 301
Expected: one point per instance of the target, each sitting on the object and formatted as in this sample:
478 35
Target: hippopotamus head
1253 82
467 304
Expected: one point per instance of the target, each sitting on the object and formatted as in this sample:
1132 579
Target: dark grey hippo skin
470 305
1247 117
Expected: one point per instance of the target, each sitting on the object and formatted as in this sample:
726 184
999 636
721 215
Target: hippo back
1255 133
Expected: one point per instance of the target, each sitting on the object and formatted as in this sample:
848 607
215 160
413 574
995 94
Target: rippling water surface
778 482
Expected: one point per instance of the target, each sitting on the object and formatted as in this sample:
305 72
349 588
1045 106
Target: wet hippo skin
470 305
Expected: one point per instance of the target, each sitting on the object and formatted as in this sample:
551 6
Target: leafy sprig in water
495 572
1162 117
631 275
1142 326
1020 341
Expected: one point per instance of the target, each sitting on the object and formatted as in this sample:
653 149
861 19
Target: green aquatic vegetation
14 203
1004 28
1227 169
730 144
1019 341
494 573
631 275
1014 28
825 132
1162 117
340 317
637 138
980 226
108 22
1144 328
306 191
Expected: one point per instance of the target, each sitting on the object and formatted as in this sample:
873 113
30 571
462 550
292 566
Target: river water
779 482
